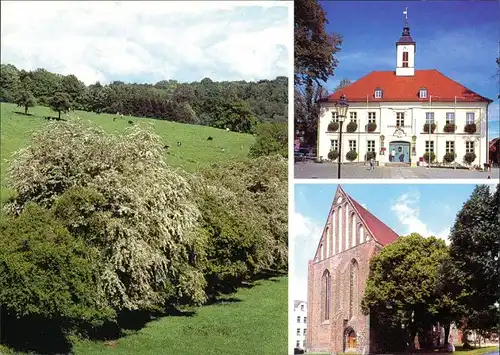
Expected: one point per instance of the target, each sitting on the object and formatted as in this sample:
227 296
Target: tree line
416 282
236 105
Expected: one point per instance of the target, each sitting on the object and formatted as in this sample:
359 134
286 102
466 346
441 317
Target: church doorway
399 152
350 340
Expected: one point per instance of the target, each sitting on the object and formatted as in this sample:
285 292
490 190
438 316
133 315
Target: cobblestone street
311 170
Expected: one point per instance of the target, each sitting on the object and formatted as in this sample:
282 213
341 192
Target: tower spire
405 12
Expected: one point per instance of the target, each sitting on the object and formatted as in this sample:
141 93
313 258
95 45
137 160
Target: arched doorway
350 340
401 152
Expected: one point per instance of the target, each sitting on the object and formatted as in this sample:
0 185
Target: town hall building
337 277
404 113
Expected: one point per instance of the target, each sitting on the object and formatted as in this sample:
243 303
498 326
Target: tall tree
403 280
25 99
307 111
272 138
314 47
475 251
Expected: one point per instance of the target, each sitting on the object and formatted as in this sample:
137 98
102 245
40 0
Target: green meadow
195 149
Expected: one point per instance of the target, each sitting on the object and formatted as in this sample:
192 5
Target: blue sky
149 41
428 209
458 38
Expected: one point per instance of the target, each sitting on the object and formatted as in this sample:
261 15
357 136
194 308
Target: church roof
380 231
406 88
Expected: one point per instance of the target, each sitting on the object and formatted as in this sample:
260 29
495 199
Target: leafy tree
60 102
475 250
140 213
9 82
46 272
25 99
272 138
403 283
315 49
75 89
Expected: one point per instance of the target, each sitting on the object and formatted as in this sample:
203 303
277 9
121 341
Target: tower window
423 93
378 93
405 59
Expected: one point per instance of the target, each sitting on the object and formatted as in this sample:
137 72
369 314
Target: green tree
25 99
46 272
9 82
306 110
475 250
139 213
75 89
314 48
272 138
403 283
60 102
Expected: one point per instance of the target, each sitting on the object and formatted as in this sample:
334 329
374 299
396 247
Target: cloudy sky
149 41
428 209
462 44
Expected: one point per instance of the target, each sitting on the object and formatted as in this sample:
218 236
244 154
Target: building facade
337 277
403 114
300 324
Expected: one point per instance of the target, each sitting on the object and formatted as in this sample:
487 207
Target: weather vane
405 12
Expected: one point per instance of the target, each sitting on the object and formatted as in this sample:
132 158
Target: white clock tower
405 52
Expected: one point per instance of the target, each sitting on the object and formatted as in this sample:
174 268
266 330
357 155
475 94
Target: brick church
337 277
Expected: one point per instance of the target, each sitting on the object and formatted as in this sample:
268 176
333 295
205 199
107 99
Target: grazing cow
210 139
179 144
227 129
166 147
241 147
114 119
130 122
222 150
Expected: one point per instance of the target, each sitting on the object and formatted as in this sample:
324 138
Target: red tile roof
381 232
406 88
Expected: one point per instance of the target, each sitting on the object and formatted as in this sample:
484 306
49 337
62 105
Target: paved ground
311 170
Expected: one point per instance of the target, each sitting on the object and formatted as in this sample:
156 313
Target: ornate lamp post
341 106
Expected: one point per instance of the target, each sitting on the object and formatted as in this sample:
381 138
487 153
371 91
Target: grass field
253 321
195 151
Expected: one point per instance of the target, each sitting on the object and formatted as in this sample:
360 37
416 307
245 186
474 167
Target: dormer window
378 93
423 93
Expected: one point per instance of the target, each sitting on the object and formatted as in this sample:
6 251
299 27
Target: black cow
179 144
210 139
130 122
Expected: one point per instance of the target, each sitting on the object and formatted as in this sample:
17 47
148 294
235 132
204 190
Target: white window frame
378 93
470 118
423 93
429 117
298 331
335 116
297 344
334 144
305 320
304 331
370 146
352 143
298 319
469 146
400 119
450 117
353 116
450 147
429 145
372 116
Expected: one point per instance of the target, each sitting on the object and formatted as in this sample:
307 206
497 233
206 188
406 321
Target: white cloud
185 41
408 214
304 236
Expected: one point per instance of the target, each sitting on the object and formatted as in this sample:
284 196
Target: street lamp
341 106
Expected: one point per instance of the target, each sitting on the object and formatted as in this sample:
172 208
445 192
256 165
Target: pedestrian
372 163
393 154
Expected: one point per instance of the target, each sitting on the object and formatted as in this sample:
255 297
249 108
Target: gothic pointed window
353 288
326 295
